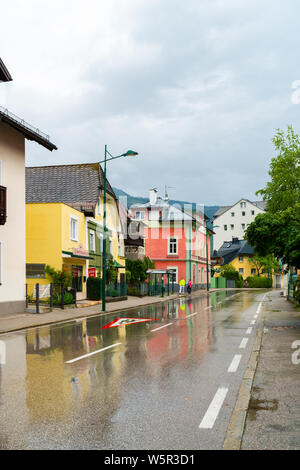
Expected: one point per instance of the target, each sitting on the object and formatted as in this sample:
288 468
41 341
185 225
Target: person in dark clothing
189 287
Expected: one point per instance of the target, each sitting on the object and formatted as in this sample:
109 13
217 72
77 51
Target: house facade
240 254
175 239
68 199
13 132
232 221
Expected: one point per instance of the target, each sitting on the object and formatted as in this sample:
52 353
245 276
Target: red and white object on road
126 321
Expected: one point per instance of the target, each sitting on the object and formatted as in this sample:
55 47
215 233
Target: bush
258 281
68 299
93 288
135 291
297 291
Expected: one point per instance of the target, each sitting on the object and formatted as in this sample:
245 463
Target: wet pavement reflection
46 402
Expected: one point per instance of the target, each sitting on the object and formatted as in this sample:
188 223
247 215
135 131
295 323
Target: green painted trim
76 256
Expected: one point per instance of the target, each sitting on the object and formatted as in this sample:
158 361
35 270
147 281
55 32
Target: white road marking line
235 363
92 353
192 314
164 326
252 322
213 410
243 343
249 330
259 307
255 316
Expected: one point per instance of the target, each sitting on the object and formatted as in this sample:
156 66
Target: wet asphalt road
152 390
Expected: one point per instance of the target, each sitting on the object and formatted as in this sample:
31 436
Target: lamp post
207 277
129 153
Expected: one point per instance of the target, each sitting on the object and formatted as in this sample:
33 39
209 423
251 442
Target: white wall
12 234
222 235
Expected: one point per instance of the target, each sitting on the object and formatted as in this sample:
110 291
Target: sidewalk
273 418
29 320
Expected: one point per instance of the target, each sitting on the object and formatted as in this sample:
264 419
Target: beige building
13 132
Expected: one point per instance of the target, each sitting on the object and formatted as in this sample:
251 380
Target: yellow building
238 253
64 223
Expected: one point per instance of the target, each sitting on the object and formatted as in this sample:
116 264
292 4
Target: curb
235 430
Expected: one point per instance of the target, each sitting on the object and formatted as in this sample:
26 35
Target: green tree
264 263
111 272
138 269
277 231
283 191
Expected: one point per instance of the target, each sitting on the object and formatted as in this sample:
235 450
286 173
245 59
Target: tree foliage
263 263
277 231
138 269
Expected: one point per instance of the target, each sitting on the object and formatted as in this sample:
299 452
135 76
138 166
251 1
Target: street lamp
129 153
207 277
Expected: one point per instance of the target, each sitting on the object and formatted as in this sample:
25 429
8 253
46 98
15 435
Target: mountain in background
208 210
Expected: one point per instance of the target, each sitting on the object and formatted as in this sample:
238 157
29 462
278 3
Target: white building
13 132
232 221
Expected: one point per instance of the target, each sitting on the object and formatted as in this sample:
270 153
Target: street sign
126 321
92 272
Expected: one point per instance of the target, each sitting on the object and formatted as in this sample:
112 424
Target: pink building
175 238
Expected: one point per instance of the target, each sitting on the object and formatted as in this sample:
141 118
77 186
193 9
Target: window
2 205
74 228
140 215
253 271
243 204
101 243
92 240
243 226
110 245
243 213
35 270
225 227
232 214
174 276
232 226
252 213
241 259
98 207
172 248
241 270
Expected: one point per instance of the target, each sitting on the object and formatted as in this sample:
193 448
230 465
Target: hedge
93 288
257 281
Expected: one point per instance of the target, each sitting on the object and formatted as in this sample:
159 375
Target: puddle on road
257 405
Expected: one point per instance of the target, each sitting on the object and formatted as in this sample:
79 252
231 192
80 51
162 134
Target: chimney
153 196
235 240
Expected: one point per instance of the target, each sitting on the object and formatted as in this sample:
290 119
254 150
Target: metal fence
43 297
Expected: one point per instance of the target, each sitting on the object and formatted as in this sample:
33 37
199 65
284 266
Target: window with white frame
252 213
92 240
253 271
241 259
225 228
241 270
232 226
243 204
232 214
101 243
172 246
174 274
74 224
140 215
99 207
243 226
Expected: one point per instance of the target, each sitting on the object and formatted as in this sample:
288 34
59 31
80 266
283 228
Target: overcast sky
197 87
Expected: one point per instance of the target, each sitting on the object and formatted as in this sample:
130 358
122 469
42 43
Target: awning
117 265
69 254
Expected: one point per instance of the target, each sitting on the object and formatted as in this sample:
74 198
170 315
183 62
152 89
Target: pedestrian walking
189 287
181 286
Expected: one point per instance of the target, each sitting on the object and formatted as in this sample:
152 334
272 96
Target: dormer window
243 204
